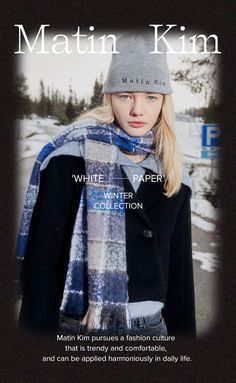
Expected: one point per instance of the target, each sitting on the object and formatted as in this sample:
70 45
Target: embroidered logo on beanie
135 69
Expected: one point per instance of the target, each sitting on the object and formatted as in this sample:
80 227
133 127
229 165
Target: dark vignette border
213 354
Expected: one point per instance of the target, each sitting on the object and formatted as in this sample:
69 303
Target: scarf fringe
106 316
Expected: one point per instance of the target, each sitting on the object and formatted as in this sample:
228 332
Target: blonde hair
166 146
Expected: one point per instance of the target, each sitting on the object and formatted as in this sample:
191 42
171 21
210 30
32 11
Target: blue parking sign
210 141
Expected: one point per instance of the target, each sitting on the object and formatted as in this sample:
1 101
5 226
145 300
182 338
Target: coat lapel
147 193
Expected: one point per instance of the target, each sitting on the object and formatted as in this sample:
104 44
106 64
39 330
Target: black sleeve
47 251
179 310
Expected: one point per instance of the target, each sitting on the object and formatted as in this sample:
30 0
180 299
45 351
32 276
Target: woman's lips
136 124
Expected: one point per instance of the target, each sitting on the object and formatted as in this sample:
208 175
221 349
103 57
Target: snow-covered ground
204 215
33 133
209 261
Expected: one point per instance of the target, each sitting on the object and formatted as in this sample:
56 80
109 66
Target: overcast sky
80 70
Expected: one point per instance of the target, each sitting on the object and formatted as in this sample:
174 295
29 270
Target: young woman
105 238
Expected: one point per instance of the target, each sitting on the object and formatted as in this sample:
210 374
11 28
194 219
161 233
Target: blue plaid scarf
96 280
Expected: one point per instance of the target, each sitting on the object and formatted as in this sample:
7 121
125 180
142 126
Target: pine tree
82 107
97 97
42 101
48 102
23 102
70 109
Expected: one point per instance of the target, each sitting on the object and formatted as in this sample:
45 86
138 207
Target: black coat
158 242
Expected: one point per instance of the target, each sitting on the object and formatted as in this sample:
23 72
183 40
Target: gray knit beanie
135 69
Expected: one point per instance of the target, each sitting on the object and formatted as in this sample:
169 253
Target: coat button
148 233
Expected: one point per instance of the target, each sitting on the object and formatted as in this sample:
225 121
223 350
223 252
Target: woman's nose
136 109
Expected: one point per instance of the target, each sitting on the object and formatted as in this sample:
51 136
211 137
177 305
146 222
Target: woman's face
136 113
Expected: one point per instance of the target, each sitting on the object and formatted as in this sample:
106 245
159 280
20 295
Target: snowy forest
52 103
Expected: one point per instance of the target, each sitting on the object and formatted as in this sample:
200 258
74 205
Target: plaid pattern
96 278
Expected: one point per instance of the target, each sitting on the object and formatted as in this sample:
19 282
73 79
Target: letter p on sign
210 135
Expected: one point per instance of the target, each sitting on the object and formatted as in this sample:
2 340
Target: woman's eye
151 98
125 97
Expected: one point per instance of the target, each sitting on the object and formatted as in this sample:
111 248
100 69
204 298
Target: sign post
210 143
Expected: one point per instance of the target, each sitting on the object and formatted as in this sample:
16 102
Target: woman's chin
136 132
